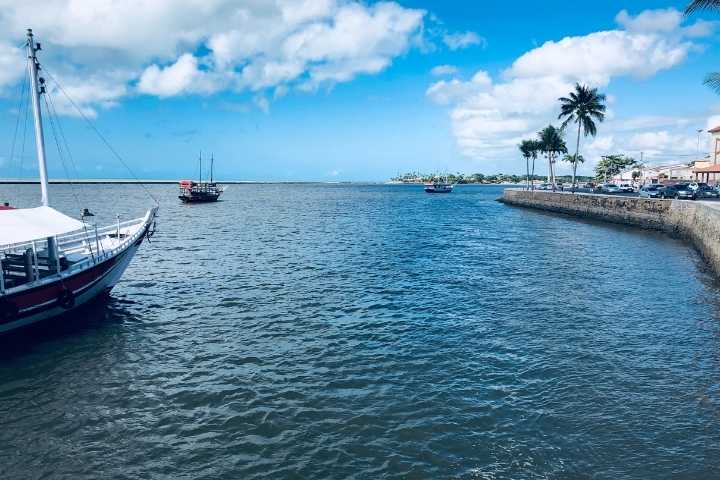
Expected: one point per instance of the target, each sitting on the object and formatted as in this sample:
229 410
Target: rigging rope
52 119
66 144
102 137
24 141
23 90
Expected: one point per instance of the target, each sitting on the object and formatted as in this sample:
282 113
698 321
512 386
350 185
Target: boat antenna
212 160
200 167
37 88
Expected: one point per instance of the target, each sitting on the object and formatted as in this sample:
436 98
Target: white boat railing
81 239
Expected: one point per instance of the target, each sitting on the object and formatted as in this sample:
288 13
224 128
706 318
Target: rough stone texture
697 222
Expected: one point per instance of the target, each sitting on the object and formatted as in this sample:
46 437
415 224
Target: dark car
706 191
679 190
650 191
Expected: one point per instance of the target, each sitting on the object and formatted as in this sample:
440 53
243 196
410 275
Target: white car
626 187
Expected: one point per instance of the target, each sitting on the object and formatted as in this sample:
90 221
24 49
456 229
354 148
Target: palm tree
551 144
583 106
571 159
711 79
526 148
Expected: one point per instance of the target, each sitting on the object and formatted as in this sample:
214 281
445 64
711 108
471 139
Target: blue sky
336 90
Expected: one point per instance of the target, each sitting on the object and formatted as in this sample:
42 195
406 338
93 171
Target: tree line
476 178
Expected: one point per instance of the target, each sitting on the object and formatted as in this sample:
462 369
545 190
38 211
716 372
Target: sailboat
196 192
53 263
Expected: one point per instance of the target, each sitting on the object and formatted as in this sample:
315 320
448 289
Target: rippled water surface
337 331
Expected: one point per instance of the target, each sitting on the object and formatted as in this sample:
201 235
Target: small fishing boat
197 192
438 186
51 263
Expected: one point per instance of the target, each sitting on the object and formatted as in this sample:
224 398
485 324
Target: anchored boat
196 192
52 263
439 186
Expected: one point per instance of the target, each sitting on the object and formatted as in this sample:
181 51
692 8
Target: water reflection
102 313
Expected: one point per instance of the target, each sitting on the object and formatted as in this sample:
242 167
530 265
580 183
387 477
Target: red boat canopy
186 183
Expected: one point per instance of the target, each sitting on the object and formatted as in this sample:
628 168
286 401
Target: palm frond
712 80
698 5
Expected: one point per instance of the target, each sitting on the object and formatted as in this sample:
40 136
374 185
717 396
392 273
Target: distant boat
51 263
200 192
437 186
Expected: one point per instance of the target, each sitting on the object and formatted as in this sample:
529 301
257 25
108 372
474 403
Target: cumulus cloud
12 62
597 57
650 21
460 40
491 116
183 76
441 70
179 47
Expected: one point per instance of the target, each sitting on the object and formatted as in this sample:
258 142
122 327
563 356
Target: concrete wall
697 222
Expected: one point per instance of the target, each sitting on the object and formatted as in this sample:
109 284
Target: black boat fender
66 299
8 311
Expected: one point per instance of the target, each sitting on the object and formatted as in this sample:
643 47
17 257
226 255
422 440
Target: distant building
675 172
708 172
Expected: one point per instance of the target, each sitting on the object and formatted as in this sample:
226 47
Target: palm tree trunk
577 153
527 173
532 175
549 175
574 170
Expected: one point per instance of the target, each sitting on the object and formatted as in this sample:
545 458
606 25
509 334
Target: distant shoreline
222 182
159 182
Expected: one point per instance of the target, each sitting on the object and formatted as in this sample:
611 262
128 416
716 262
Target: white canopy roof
28 224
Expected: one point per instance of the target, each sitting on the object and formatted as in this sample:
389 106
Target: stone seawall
697 222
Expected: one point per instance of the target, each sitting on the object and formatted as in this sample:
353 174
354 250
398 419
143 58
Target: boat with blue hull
439 187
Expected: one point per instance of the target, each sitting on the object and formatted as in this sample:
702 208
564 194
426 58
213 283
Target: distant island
479 178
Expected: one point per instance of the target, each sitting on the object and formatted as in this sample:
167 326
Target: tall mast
200 167
212 160
37 88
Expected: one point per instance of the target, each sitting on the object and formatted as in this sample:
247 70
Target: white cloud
183 76
661 141
491 116
457 41
442 70
650 21
12 63
177 47
597 57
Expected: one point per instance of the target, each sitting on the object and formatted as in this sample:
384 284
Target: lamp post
700 130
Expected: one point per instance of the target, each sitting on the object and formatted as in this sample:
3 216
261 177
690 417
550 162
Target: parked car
695 185
706 191
588 185
626 187
679 190
650 191
544 186
608 188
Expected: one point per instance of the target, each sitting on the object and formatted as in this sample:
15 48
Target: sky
342 90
